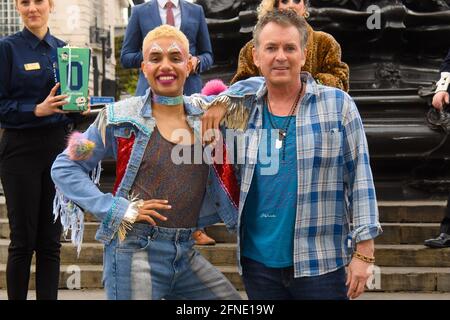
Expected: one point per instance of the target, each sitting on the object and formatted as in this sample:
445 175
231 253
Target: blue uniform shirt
26 78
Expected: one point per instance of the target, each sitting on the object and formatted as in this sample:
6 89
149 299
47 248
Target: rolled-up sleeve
358 179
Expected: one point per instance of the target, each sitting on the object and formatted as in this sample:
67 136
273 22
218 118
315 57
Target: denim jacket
77 192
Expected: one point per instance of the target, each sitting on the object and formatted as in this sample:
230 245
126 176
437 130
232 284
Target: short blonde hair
165 31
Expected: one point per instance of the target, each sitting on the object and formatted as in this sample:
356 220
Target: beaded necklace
282 132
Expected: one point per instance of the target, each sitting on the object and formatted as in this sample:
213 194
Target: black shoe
443 241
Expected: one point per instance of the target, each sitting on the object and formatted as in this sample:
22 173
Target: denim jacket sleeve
76 192
239 100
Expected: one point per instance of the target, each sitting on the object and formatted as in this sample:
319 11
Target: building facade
87 23
9 18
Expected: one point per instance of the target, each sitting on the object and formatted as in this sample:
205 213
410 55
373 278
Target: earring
306 15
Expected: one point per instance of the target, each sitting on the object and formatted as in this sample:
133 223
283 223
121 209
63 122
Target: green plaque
73 73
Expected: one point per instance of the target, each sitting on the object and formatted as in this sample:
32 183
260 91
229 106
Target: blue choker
167 101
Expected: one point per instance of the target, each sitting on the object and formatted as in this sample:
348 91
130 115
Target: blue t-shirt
269 213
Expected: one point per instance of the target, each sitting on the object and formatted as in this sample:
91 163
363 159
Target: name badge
32 66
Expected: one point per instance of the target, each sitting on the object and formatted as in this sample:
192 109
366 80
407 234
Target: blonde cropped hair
165 31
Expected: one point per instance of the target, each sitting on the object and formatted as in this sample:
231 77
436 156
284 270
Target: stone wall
71 21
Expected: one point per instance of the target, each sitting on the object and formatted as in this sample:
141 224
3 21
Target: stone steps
386 255
411 211
394 233
411 255
99 294
405 265
412 279
90 276
225 255
4 214
407 233
218 232
390 211
89 231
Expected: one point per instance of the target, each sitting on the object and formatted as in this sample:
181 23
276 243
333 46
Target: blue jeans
161 263
263 283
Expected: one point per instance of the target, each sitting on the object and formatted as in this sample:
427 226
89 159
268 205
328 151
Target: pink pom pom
214 87
79 148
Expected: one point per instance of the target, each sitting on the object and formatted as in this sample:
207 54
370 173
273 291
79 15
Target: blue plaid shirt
335 184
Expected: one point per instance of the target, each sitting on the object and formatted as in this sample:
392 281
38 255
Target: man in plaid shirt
305 178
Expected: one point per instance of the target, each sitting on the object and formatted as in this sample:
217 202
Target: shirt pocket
328 148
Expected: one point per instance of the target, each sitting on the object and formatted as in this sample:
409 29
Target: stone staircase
404 264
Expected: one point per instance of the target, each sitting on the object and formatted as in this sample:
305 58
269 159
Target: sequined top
183 185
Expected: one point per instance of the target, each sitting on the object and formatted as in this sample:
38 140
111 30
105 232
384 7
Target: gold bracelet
364 258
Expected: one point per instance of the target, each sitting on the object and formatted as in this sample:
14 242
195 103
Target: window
9 18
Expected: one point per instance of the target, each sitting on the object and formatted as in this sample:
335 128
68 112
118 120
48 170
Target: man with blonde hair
157 204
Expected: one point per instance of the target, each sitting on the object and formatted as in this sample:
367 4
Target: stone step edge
221 224
383 203
233 269
232 245
231 272
413 203
86 223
